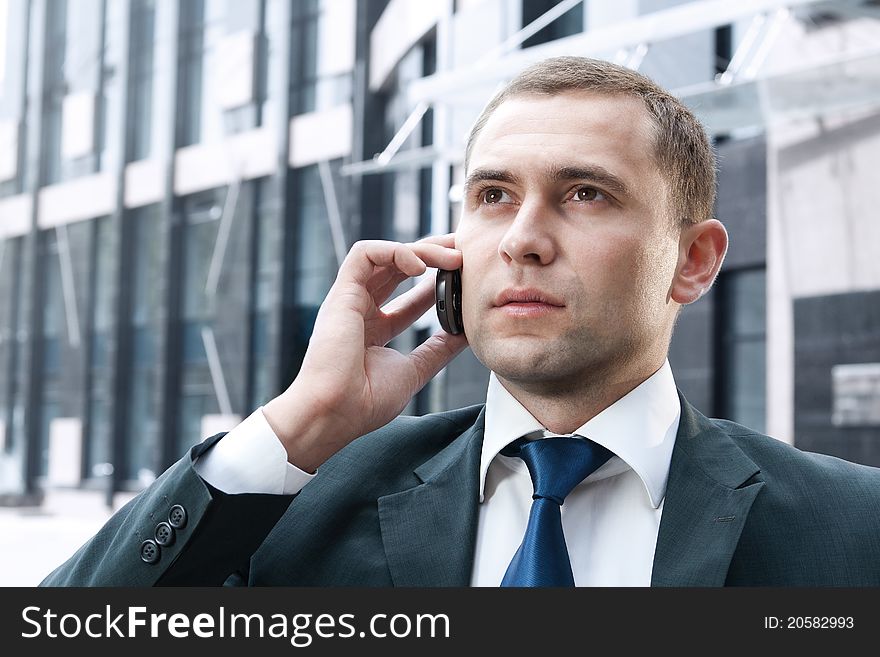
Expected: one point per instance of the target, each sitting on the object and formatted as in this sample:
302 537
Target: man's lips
527 297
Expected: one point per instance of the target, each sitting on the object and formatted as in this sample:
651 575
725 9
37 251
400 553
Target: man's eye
588 194
495 195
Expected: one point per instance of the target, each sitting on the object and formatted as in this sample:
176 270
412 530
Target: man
586 226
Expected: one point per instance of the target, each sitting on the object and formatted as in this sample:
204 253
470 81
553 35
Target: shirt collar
639 428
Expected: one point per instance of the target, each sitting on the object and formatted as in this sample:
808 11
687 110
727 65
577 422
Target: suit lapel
709 494
429 531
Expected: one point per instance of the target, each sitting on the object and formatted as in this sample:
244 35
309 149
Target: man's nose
529 238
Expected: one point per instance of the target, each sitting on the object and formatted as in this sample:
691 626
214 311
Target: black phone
447 300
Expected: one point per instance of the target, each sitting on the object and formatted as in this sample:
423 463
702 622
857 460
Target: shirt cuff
251 459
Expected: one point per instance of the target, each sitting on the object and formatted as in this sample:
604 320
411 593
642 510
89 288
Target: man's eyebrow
592 173
494 175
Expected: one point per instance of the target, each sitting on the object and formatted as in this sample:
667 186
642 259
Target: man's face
568 249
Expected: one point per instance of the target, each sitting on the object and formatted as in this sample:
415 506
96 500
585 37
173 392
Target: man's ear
701 251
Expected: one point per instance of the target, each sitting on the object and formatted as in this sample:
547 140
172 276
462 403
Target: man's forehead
580 127
572 106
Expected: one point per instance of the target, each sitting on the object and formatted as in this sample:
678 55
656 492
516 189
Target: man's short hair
682 150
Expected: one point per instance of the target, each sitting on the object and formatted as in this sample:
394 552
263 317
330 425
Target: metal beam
405 131
648 28
219 254
415 158
337 234
216 368
68 288
529 30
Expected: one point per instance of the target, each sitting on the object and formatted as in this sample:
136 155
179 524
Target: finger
436 255
383 285
434 354
400 313
386 288
366 256
386 280
447 240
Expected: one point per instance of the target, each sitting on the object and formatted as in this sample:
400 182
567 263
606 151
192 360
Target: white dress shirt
251 459
611 519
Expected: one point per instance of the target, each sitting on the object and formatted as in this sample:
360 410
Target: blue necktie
556 465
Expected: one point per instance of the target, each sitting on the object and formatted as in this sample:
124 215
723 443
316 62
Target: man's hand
350 383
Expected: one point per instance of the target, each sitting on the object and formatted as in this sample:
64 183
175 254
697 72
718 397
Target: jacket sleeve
180 531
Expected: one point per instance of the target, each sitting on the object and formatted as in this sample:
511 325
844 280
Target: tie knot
557 465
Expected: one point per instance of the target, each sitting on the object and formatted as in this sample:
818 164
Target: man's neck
562 407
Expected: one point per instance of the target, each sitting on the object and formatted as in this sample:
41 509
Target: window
312 267
426 186
111 94
265 265
723 47
141 52
17 340
742 326
97 441
426 174
322 54
191 56
316 261
54 89
571 22
214 311
54 332
141 392
203 213
10 302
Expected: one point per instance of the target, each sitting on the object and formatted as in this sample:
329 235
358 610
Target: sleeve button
164 534
150 552
177 517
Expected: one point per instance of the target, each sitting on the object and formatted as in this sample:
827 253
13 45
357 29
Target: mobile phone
447 300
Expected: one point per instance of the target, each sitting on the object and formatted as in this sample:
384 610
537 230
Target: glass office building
179 180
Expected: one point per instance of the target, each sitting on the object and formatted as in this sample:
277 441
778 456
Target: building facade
179 181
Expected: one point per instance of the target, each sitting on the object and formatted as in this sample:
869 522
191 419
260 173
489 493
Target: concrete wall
823 233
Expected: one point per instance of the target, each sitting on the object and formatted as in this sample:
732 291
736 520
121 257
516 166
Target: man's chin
527 358
523 362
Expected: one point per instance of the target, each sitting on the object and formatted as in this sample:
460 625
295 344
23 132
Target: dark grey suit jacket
398 507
